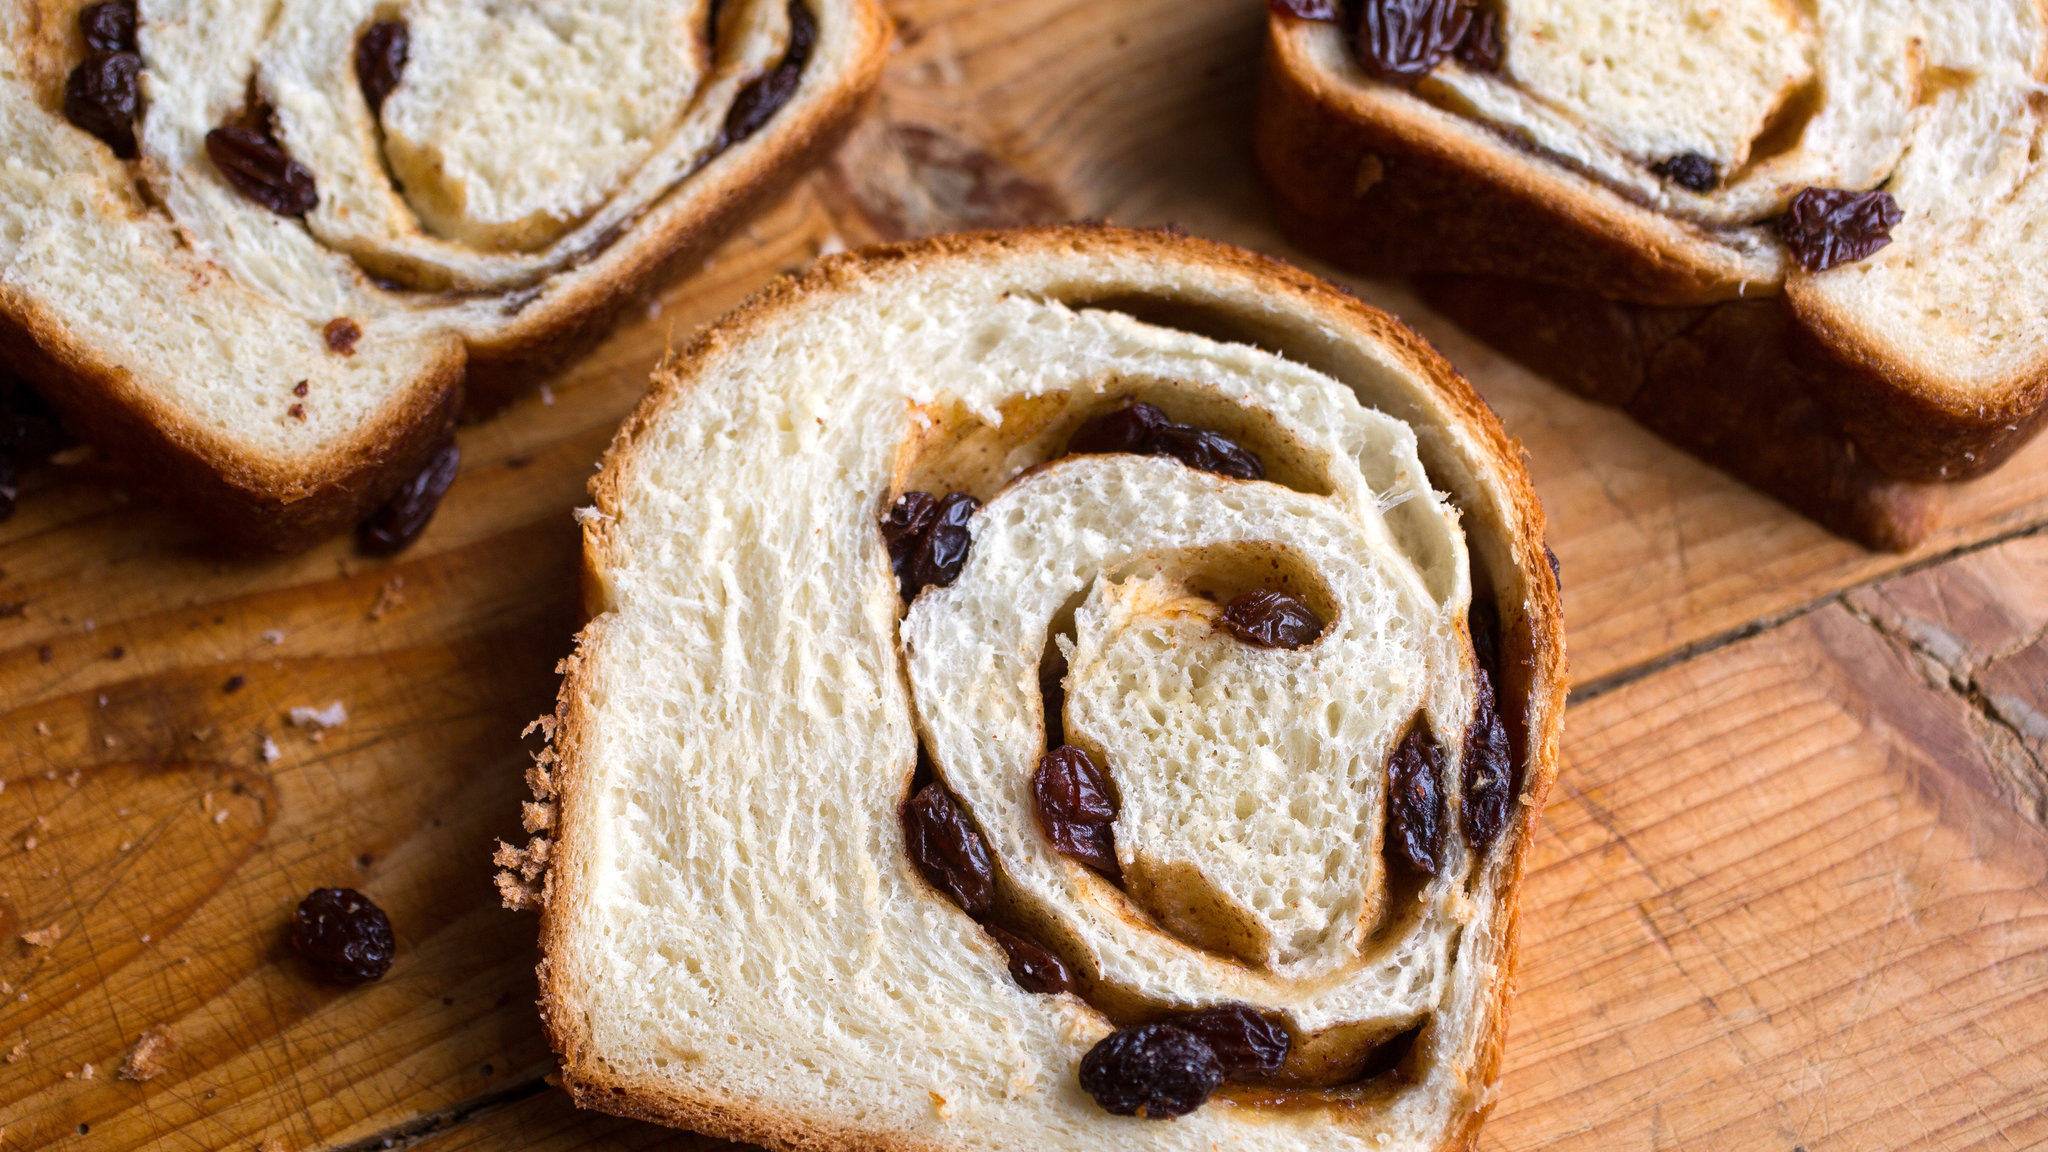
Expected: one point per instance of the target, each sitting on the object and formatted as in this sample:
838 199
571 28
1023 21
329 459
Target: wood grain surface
1791 891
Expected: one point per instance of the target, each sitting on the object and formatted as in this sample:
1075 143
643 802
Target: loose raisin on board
1415 800
758 102
1483 49
1304 9
1075 810
381 57
1125 429
1245 1043
343 936
257 167
946 848
102 97
1489 771
941 551
393 527
1271 619
1401 41
1033 966
1689 170
1156 1071
1825 227
108 26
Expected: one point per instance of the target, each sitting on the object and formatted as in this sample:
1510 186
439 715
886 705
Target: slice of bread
735 937
532 168
1645 155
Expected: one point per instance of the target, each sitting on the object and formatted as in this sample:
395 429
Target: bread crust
1532 624
1384 183
245 502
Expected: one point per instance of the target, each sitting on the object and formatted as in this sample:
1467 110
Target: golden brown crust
1534 652
1379 181
245 503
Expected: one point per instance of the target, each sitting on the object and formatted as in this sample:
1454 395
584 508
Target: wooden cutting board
1791 890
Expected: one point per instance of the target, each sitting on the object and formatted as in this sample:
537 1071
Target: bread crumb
271 1146
588 514
269 751
220 817
107 740
833 245
85 1073
44 938
18 1053
273 636
28 842
332 716
547 395
390 598
146 1058
42 727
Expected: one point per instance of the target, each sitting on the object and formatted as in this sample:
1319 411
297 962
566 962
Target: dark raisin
1304 9
258 168
1032 966
1489 771
1069 787
1156 1071
905 526
1271 619
1556 570
946 848
1689 170
1206 451
1401 41
1245 1043
403 517
102 97
341 335
1483 49
1482 621
1826 226
761 99
234 683
1075 810
942 551
342 936
109 26
1126 429
381 55
1415 800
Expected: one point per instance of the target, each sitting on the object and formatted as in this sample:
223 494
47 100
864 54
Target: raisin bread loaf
1836 210
1058 689
256 252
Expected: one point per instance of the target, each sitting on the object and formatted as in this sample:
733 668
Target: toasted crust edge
1451 197
582 1074
246 504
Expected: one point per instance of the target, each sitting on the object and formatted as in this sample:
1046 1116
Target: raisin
342 936
341 335
1271 620
1401 41
1304 9
942 550
946 848
760 100
1032 966
109 26
401 519
1156 1071
1245 1043
1489 771
905 526
1207 451
1126 429
1075 810
1689 170
102 97
381 56
1483 49
1827 226
1415 801
258 168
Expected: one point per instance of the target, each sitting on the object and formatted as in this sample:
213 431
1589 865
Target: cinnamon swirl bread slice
1067 688
258 252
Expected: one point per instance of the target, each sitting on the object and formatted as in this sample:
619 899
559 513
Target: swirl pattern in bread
736 937
328 217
